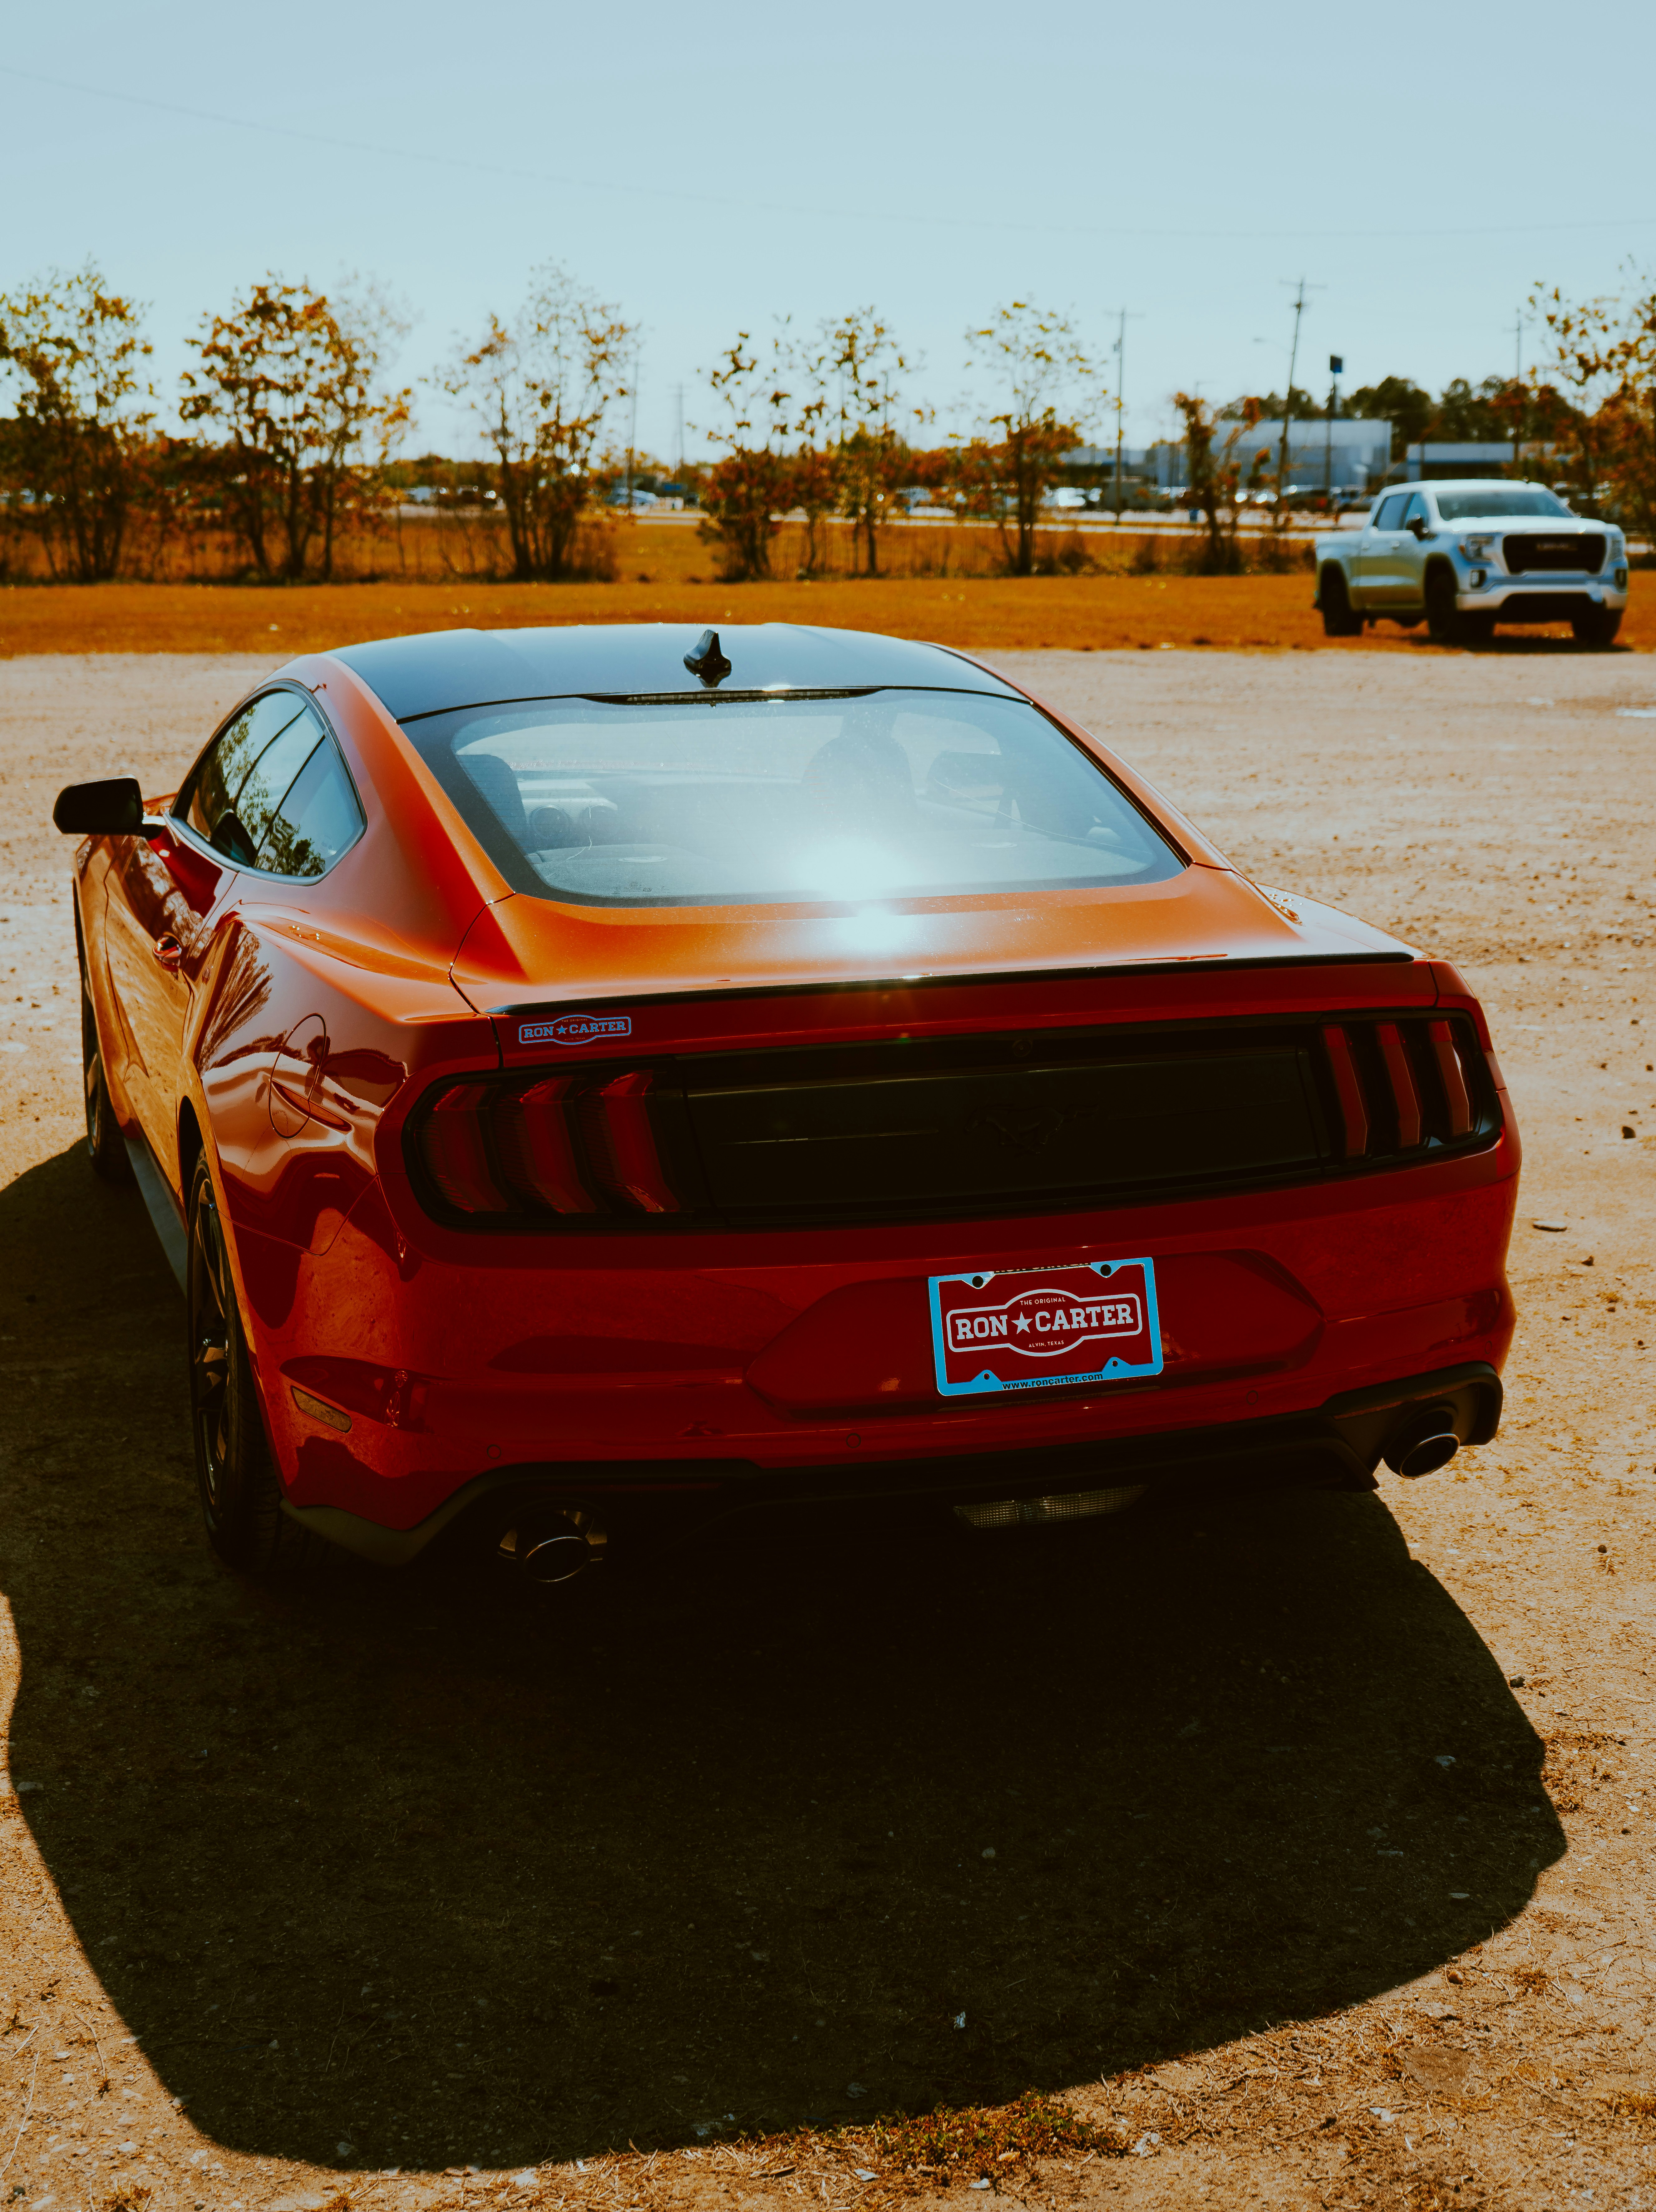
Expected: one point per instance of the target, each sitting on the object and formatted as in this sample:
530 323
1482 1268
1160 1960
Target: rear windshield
733 801
1497 506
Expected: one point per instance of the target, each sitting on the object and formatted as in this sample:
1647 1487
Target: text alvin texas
1033 1328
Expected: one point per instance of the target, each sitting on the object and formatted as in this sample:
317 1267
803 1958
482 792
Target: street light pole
632 424
1287 404
1335 370
1124 316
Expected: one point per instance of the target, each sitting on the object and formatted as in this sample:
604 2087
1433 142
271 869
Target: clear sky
709 168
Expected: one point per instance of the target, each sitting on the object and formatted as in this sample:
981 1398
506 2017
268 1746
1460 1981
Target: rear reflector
1354 1114
1441 1038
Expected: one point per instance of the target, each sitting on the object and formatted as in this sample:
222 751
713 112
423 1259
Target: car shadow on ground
823 1819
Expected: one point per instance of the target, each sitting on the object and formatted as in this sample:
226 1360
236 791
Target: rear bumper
1336 1446
808 1362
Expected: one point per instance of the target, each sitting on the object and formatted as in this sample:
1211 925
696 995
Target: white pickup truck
1463 556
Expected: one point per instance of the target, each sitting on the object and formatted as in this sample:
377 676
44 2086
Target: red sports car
588 1080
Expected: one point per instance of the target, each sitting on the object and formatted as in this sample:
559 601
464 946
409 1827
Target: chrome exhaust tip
553 1547
1424 1443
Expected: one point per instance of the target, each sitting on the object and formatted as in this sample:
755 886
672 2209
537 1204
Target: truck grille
1043 1121
1528 553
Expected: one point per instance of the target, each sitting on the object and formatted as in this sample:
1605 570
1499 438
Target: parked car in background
635 498
1068 497
1464 555
591 1081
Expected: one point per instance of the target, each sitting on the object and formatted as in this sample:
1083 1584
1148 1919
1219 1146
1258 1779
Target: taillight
562 1145
456 1155
1353 1113
1404 1096
1400 1086
1442 1040
616 1124
537 1147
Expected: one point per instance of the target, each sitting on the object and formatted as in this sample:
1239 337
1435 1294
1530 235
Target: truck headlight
1476 548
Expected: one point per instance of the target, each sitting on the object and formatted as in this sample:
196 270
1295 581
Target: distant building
1340 456
1435 460
1140 459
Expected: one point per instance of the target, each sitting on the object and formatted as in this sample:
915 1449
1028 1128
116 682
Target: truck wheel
1444 622
1477 630
1597 626
1339 617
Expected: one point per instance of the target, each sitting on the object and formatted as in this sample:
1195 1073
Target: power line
752 206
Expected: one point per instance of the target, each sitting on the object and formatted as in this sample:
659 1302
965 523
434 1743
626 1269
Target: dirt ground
1091 614
401 1894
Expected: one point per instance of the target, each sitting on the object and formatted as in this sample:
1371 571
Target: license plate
1032 1328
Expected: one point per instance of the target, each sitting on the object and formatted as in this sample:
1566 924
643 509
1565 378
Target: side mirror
1418 526
112 807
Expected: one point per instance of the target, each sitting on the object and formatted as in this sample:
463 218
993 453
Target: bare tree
1038 361
1633 408
83 427
1583 338
1212 474
290 384
543 388
755 422
855 373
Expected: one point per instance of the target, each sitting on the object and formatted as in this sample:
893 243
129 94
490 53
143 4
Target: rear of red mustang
1017 1203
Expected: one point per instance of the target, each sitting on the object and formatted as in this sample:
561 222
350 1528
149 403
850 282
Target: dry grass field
1088 614
1292 1851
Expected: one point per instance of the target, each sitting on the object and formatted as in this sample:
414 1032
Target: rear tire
1445 623
105 1146
1340 618
1599 626
241 1498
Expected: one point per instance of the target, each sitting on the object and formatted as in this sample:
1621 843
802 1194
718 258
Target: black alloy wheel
1597 626
241 1499
105 1146
1445 623
1340 619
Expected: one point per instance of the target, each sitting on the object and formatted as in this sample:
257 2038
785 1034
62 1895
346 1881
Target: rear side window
271 792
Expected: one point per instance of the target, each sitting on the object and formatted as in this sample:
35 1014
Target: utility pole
1518 410
678 396
1335 371
632 423
1287 404
1124 316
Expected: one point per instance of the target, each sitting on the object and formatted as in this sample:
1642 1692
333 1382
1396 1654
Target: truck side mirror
111 807
1418 526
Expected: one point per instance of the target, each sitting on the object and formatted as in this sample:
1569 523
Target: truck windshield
747 800
1497 505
